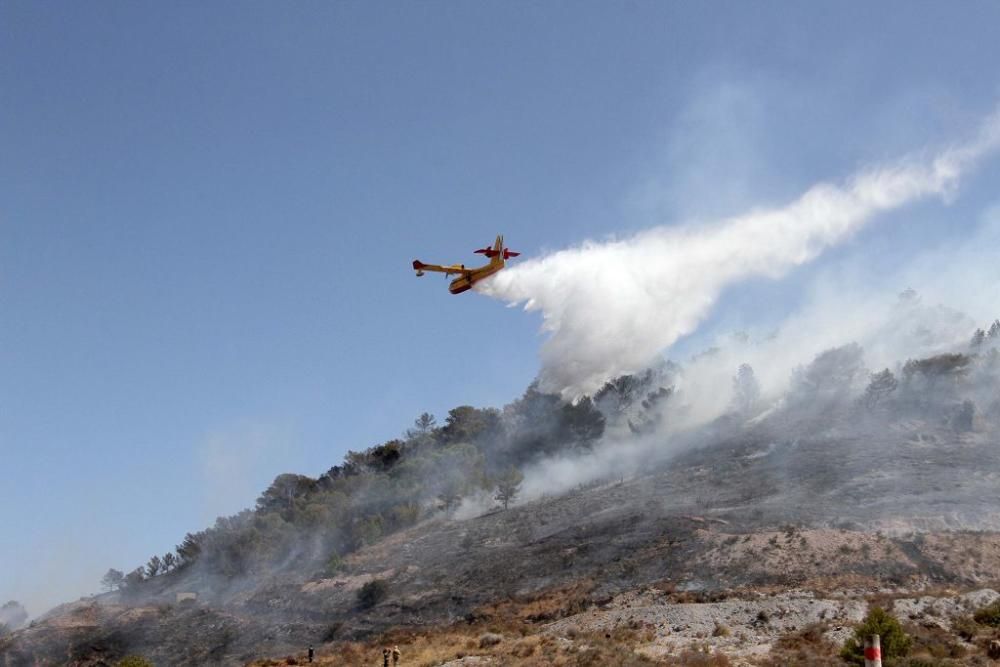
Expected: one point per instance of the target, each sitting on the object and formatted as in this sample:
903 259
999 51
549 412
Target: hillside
734 535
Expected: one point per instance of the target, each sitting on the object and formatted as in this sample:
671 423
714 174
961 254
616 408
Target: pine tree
154 566
509 485
882 384
746 390
189 550
169 561
113 579
977 338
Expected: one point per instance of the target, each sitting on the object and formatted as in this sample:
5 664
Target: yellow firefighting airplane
498 259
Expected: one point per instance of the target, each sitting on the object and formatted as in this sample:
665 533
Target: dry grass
804 647
547 606
435 648
517 623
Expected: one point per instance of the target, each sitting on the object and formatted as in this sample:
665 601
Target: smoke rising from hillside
611 307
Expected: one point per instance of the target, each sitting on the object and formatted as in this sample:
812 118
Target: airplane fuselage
465 283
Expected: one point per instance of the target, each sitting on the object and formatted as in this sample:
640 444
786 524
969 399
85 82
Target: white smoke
611 307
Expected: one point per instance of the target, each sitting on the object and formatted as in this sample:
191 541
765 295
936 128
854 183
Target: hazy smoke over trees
12 616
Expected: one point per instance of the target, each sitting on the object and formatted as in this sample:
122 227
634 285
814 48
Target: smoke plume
611 307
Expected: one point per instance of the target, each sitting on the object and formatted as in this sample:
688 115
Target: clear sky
208 213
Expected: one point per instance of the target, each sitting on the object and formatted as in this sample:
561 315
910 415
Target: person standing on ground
395 656
311 653
385 657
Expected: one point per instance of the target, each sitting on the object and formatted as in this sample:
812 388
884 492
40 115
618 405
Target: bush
965 627
372 593
133 661
332 632
895 642
988 615
334 564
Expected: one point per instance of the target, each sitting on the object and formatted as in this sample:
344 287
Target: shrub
489 639
333 564
133 661
895 642
372 593
332 632
691 658
988 615
965 627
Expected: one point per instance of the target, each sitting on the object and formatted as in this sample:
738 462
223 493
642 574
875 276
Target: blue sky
208 211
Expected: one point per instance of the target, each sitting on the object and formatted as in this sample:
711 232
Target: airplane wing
420 267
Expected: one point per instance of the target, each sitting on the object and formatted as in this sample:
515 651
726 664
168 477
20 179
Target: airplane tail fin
497 254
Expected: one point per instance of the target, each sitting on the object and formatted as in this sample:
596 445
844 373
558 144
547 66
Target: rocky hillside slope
825 519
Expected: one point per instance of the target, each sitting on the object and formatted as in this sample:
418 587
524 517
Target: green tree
831 374
508 485
189 550
934 373
281 495
582 422
423 431
648 419
169 561
367 530
154 566
881 385
113 579
134 578
450 494
895 642
468 424
994 331
978 337
618 395
746 390
334 564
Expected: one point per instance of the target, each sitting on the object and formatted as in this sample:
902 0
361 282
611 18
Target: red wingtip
417 264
